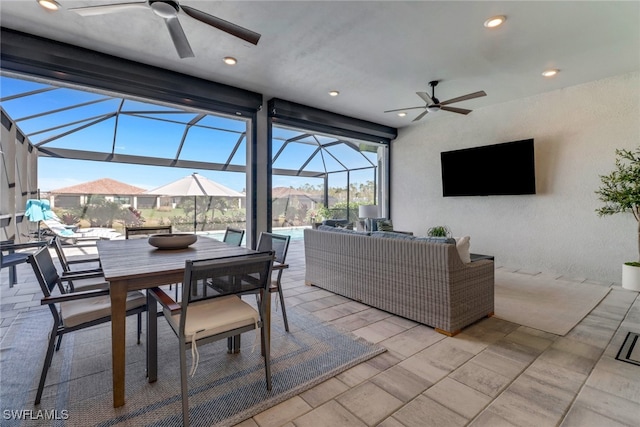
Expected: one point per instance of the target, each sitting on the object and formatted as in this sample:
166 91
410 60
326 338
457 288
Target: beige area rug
227 388
544 303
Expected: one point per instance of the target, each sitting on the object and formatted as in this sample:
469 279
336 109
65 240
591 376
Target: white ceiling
377 54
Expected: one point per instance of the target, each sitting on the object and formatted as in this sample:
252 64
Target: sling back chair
67 264
79 280
280 245
9 258
200 319
144 232
73 311
233 236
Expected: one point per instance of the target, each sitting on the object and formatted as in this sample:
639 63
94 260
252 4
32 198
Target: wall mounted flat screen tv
499 169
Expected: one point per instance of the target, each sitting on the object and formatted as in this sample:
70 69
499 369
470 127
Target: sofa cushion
335 222
463 245
341 230
391 235
448 240
348 226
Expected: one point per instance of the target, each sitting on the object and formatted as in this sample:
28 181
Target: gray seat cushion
86 310
214 316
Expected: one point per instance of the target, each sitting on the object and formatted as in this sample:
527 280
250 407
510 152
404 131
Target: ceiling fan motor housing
164 9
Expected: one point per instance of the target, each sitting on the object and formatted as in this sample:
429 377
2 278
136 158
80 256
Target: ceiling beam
54 61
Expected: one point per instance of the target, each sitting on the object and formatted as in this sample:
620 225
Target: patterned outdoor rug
225 390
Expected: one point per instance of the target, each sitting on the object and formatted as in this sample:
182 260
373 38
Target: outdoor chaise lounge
73 235
39 210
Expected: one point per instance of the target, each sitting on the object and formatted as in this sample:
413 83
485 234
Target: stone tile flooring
495 373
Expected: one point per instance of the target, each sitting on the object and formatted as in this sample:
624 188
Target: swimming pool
296 233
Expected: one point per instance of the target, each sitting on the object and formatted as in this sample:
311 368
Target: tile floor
495 373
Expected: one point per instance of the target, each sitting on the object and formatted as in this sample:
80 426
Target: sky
145 129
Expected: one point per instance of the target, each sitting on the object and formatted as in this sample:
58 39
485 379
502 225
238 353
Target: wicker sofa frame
422 281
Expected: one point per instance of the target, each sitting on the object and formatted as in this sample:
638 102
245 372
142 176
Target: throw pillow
384 225
372 223
463 245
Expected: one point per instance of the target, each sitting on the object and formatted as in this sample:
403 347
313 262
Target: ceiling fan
433 104
169 11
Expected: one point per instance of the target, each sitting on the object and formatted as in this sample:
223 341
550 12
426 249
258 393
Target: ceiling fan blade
403 109
107 8
425 96
226 26
464 97
421 115
179 38
455 110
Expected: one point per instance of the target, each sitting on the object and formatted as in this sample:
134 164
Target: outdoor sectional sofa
411 277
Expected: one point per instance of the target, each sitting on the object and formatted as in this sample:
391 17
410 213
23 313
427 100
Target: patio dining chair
199 319
233 236
9 258
280 245
73 311
144 232
79 280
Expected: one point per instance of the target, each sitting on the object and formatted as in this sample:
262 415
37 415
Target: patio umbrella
195 185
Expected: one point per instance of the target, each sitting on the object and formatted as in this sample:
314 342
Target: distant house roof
105 186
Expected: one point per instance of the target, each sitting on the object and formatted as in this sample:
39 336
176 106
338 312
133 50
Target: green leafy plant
620 190
323 213
439 231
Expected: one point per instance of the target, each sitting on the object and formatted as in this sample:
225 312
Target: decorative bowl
173 240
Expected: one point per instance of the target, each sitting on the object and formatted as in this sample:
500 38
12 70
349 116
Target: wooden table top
136 258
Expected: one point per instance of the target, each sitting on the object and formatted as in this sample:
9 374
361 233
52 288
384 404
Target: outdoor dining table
134 264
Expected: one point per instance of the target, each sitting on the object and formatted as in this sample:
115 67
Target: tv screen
499 169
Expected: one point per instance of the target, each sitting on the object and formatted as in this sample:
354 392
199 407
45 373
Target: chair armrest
165 300
85 274
82 261
14 246
279 266
73 296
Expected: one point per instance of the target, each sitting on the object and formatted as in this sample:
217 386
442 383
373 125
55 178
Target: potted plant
620 192
439 231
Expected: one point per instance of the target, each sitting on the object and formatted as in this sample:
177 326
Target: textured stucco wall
576 132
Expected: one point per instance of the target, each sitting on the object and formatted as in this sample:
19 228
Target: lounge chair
73 235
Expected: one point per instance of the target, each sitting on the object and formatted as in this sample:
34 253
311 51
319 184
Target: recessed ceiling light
334 93
495 21
229 60
550 72
49 4
402 114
